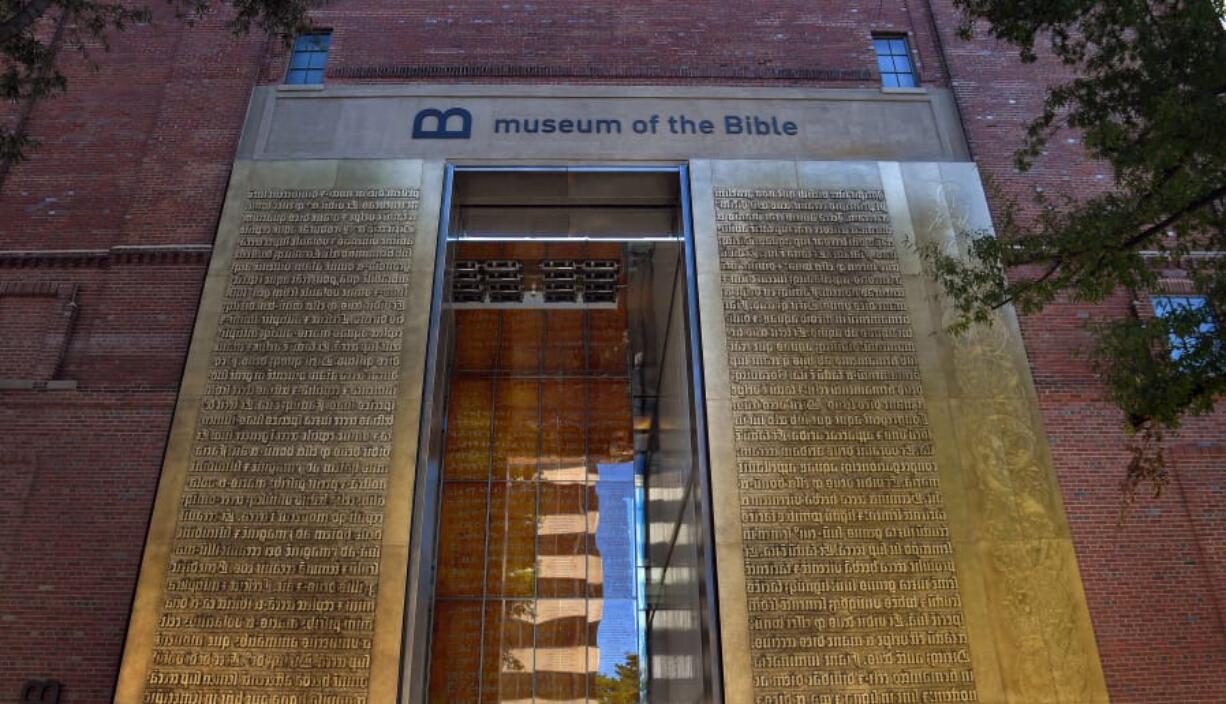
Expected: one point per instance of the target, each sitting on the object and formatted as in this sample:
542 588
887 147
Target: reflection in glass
564 507
536 543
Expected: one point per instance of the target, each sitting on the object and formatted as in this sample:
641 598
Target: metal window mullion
628 368
585 328
536 483
698 406
489 487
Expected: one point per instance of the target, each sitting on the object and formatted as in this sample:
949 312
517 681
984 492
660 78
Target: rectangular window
894 61
1167 306
306 64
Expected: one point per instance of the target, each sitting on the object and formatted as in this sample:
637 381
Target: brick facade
104 241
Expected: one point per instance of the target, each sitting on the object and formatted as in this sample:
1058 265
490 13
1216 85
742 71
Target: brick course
139 151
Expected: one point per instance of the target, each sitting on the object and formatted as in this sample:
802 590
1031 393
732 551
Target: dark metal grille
547 283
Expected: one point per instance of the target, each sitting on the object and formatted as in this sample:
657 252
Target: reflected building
538 523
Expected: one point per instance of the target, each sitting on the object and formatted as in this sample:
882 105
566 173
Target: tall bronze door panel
888 524
274 569
866 503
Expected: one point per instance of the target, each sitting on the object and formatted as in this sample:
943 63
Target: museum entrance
561 542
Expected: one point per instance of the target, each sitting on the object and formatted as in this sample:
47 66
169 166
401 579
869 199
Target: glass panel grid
653 332
309 54
894 62
538 494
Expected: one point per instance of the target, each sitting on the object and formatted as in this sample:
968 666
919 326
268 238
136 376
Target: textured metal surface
887 519
276 559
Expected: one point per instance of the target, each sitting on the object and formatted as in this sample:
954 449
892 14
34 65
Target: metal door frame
419 591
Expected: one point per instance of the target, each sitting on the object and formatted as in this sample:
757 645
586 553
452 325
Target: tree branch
23 19
1029 284
1137 239
1203 201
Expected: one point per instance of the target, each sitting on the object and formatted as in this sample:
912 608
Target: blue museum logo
453 123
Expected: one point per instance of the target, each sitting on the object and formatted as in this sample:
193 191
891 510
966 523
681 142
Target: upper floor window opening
306 63
1169 306
894 61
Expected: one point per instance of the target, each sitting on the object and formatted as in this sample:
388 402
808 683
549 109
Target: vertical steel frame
698 402
419 589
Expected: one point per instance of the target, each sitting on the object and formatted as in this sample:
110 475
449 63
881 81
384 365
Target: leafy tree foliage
32 32
624 688
1147 92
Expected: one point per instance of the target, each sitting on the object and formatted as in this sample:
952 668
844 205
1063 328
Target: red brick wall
84 467
138 153
23 355
78 469
697 41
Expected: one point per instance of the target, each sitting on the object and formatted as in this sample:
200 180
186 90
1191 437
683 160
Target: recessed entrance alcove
561 534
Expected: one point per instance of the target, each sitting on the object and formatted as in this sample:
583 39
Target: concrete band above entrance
582 123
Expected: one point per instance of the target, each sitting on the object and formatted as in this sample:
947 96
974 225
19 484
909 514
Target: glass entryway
560 547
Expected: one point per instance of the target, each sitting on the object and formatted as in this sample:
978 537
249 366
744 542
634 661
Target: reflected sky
617 535
538 592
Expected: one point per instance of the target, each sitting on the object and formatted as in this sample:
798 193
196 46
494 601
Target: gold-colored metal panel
809 357
1039 618
277 552
850 174
393 568
753 173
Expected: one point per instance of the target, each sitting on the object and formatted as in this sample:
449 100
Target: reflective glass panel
307 59
894 62
567 550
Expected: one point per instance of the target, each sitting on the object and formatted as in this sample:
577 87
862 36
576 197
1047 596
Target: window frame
308 59
889 41
1163 305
